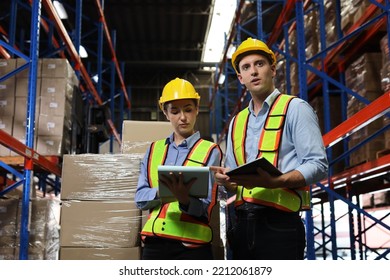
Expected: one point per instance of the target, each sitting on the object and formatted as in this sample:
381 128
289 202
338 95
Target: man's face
257 74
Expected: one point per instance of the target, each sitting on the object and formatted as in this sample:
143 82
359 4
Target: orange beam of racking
361 171
371 112
4 53
113 53
29 154
76 58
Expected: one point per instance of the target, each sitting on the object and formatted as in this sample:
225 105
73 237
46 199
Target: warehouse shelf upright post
31 158
321 76
44 17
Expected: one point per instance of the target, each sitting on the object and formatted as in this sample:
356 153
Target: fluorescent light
60 9
221 78
82 52
223 14
230 51
95 78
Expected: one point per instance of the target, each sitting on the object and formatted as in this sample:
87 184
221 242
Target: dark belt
264 212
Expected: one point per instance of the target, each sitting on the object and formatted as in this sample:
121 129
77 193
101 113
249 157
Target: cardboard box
22 87
100 176
7 254
8 222
6 126
52 145
100 224
55 106
43 229
25 73
53 87
6 66
100 253
7 88
49 125
56 68
7 105
138 135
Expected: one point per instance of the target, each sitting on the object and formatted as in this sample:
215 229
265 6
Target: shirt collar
188 142
268 101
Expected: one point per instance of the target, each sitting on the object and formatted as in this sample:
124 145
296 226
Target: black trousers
267 234
166 249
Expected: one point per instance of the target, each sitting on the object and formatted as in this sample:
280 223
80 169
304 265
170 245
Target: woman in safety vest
178 229
284 130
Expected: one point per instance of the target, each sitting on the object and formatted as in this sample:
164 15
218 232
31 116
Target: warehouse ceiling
155 40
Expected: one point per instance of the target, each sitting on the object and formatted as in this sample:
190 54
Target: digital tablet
199 188
250 168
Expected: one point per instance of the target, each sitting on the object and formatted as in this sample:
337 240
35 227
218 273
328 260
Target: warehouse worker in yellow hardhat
178 229
284 130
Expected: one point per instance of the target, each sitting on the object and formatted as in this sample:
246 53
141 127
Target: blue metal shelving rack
118 98
227 98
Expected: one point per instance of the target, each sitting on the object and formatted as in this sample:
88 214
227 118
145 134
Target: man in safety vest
179 229
283 129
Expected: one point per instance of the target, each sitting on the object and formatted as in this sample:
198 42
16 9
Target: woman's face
182 115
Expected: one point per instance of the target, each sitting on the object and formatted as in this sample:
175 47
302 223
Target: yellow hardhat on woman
251 45
178 89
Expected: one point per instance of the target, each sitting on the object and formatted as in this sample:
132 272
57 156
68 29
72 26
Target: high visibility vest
168 220
290 200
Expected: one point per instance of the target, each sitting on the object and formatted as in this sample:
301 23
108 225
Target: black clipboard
250 168
199 189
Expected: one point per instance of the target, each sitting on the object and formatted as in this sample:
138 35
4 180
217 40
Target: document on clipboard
250 168
200 187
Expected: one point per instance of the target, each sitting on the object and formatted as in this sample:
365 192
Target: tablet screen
199 188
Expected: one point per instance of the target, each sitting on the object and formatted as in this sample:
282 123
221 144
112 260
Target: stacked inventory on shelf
44 230
56 83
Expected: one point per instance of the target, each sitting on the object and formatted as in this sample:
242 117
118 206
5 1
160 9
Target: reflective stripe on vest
168 220
282 198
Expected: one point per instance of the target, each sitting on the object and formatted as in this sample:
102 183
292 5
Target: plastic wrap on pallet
70 253
100 224
134 147
8 226
44 235
100 176
43 231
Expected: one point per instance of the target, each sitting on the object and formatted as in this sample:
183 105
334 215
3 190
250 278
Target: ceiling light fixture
60 9
83 52
219 25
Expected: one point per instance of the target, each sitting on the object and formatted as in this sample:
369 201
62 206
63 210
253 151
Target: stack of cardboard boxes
363 77
56 82
43 228
99 218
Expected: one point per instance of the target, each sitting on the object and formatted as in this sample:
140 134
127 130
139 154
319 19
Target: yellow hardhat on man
178 89
251 46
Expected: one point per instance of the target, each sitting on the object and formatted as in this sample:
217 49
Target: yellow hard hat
177 89
251 45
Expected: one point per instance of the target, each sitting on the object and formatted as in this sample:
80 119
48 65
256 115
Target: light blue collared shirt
146 197
302 146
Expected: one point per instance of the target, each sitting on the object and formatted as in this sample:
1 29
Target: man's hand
222 179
